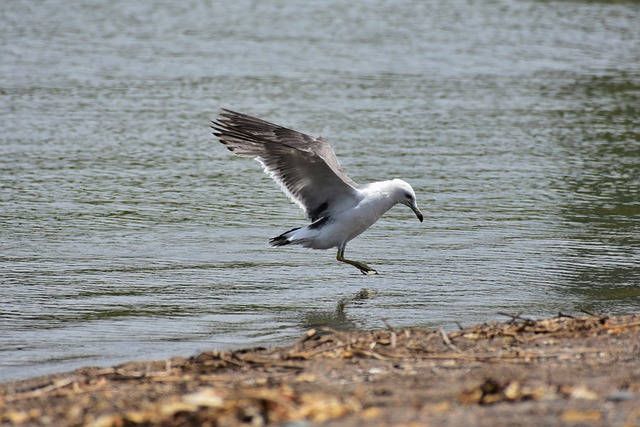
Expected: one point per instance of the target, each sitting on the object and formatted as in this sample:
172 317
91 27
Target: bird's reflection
338 319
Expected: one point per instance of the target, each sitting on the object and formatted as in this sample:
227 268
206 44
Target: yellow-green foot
364 268
367 270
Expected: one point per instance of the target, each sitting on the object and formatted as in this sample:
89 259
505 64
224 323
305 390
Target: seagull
308 171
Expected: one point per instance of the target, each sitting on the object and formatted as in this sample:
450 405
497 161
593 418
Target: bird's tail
284 238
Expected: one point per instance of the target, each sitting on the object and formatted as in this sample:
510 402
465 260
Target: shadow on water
599 139
338 319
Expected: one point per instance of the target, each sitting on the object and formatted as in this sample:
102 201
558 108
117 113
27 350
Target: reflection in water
338 319
599 134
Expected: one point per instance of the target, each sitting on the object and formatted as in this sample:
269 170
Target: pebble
621 395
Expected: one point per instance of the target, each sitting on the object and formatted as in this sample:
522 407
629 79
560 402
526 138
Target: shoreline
559 371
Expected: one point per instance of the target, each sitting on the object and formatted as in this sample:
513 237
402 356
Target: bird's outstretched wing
305 167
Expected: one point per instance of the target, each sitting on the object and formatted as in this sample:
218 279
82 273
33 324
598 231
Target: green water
128 232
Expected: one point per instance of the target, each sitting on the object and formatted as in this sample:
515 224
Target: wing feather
306 168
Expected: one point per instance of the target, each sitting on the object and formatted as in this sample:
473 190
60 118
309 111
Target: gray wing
305 167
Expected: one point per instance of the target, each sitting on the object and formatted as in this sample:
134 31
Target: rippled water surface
128 232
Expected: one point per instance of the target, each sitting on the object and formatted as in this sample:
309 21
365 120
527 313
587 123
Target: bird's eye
408 196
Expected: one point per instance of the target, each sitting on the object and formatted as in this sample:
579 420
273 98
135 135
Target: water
128 232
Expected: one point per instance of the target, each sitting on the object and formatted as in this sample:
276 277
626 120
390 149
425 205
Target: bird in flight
308 171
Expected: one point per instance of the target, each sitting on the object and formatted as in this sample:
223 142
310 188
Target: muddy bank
561 371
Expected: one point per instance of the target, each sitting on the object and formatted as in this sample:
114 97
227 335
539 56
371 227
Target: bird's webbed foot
364 268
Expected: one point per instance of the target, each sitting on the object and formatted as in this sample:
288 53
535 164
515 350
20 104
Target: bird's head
404 194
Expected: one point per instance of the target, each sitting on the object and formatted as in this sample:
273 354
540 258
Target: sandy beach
553 372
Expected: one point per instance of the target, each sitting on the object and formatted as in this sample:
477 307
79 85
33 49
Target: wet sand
577 371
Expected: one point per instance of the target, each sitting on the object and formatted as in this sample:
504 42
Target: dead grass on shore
561 371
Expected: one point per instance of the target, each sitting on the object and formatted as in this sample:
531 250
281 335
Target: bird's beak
417 212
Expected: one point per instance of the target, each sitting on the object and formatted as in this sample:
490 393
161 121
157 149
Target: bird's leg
364 268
